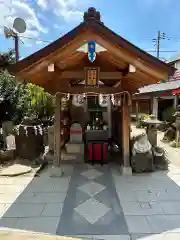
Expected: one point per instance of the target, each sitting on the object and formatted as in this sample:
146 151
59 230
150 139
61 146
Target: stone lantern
152 126
177 123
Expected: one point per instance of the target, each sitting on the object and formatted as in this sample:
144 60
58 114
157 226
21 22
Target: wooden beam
81 89
81 75
70 61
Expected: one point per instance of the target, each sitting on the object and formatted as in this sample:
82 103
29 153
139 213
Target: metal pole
16 42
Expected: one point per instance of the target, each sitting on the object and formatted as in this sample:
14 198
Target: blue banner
91 51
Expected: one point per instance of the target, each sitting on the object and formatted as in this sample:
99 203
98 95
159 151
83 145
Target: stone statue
142 145
142 155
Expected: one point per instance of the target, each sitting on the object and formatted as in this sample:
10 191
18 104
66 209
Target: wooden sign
92 77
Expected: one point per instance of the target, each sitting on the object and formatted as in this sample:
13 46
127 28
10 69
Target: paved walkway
95 203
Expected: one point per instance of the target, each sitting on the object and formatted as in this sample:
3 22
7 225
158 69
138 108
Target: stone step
66 157
75 158
76 148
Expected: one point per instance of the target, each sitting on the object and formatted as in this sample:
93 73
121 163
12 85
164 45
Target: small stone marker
11 144
76 133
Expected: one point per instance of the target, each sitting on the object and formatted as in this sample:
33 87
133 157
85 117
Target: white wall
177 65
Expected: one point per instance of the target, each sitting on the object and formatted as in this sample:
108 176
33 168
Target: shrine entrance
93 126
93 74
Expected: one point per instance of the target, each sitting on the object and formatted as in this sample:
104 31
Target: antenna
19 25
8 32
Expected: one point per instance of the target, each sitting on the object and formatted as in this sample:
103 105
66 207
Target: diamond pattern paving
92 188
92 174
92 210
92 206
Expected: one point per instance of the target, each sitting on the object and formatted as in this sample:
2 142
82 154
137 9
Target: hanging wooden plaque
92 77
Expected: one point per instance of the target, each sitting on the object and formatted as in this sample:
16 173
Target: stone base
77 148
126 171
56 171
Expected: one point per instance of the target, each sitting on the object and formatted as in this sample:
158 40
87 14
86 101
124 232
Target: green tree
6 59
12 92
23 99
38 102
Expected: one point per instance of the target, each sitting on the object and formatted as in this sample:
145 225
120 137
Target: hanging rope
91 93
117 98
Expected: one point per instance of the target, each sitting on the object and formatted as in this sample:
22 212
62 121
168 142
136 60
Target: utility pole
157 41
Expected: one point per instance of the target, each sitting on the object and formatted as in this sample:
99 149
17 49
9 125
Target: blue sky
136 20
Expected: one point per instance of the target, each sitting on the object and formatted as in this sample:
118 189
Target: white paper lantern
78 100
116 100
51 67
113 99
132 68
103 100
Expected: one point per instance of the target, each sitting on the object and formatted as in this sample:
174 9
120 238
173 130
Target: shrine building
94 72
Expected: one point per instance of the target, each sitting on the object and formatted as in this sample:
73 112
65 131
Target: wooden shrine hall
97 71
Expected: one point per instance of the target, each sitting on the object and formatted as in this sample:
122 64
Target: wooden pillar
126 168
176 100
109 111
137 111
56 170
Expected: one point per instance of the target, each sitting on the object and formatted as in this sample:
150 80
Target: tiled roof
170 85
174 58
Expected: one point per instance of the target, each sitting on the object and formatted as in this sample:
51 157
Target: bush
168 115
175 144
142 117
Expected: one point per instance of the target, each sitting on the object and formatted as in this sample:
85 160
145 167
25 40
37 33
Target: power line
161 51
47 41
157 43
35 39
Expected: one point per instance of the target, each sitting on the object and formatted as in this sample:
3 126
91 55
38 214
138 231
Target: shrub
168 115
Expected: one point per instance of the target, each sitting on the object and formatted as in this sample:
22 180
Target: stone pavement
84 203
93 202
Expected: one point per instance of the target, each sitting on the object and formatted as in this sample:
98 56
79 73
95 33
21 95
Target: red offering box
97 151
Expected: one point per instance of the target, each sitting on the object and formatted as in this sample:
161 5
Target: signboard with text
92 77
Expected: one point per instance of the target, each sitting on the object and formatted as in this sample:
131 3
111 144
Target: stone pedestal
75 147
76 133
7 128
152 136
126 171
